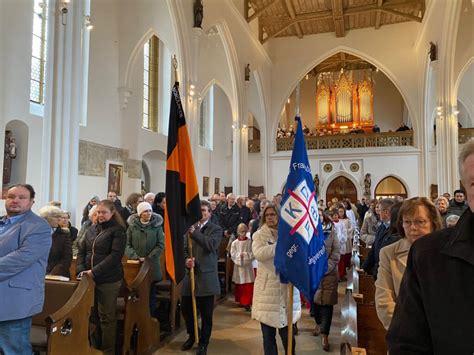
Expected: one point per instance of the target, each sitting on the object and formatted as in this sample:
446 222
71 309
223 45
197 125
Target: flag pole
290 319
290 285
175 66
193 290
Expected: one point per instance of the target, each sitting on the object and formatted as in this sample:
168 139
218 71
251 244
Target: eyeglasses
417 223
270 215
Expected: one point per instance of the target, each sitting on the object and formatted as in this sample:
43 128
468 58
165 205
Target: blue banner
300 256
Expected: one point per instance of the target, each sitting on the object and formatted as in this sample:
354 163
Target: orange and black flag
183 207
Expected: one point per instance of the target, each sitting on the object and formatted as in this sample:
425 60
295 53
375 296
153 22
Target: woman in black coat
100 256
60 254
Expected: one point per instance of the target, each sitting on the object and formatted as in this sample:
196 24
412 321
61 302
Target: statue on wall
367 184
247 72
316 184
8 155
198 13
433 52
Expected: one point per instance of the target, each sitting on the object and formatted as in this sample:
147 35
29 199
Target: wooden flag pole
193 290
175 66
290 319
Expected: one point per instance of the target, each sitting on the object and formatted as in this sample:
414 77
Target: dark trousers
205 306
269 339
323 317
104 318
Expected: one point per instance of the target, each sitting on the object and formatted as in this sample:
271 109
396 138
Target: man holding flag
300 256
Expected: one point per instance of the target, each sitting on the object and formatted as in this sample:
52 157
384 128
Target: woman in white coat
270 296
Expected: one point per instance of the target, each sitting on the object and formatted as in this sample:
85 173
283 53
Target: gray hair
451 220
50 211
386 203
441 198
466 151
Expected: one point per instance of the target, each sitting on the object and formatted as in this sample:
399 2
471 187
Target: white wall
379 164
213 163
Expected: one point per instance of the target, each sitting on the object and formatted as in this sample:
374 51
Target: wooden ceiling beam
310 16
291 12
378 17
402 14
338 17
259 12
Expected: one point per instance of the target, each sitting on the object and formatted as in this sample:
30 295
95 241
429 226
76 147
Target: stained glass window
38 52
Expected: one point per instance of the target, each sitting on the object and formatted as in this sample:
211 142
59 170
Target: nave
234 333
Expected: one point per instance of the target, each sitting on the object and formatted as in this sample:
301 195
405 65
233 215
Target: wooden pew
63 325
136 312
167 291
359 308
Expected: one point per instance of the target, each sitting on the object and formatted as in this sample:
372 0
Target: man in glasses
435 307
206 237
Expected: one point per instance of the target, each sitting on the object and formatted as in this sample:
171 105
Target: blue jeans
15 337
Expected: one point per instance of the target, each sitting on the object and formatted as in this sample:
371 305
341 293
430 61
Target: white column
66 95
236 154
446 121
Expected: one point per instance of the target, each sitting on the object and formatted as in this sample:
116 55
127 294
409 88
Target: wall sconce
244 126
87 23
439 111
307 76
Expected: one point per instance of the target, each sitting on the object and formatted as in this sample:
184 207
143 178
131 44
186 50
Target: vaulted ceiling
288 18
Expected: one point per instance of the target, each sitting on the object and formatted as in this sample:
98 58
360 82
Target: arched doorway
341 188
390 187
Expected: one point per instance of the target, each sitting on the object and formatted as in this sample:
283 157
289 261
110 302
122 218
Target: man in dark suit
205 237
25 240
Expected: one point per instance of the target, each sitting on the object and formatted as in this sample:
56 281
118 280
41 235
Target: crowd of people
421 257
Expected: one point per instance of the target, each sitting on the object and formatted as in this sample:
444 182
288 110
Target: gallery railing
383 139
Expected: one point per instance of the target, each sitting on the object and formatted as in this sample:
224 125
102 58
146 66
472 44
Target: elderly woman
60 254
145 239
270 296
82 232
326 296
417 217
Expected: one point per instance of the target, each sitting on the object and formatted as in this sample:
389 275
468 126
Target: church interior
384 88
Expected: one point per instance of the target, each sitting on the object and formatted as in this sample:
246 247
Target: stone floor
234 333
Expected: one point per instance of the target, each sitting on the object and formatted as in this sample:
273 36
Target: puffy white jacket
269 295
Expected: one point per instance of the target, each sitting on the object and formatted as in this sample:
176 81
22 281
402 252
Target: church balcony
464 134
341 141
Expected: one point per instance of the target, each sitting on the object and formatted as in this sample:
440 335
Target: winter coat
205 242
146 241
60 254
457 208
369 227
435 308
242 256
327 291
101 251
229 218
269 295
393 261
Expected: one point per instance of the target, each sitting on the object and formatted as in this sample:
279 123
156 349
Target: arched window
206 120
150 83
390 187
38 53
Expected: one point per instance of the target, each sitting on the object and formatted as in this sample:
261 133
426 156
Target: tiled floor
234 333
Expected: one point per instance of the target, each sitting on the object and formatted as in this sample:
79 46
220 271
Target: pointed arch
336 175
280 102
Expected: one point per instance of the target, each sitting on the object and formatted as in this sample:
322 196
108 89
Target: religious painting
205 185
115 179
217 185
